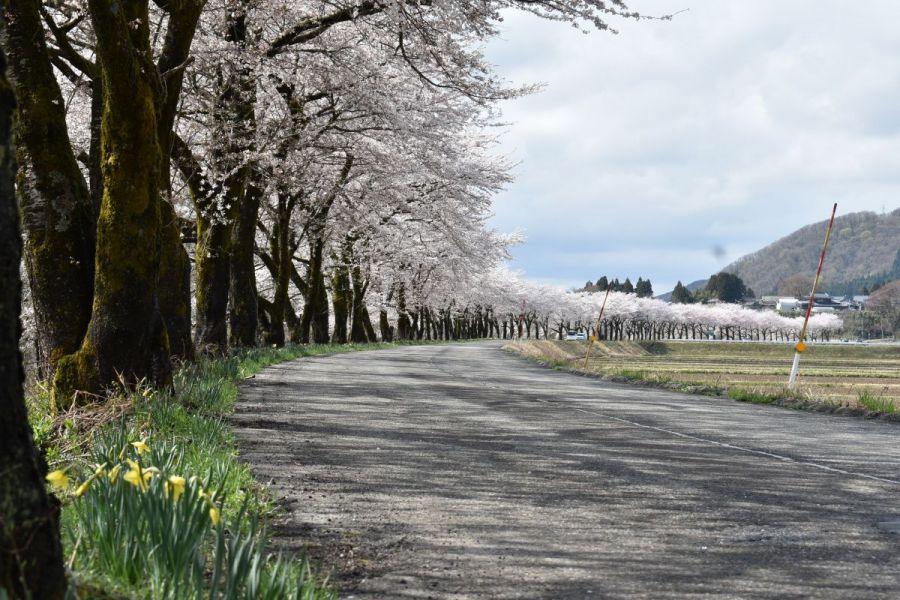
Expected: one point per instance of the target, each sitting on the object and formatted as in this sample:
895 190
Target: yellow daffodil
100 470
58 479
83 488
141 446
114 473
214 515
149 473
135 477
176 484
147 393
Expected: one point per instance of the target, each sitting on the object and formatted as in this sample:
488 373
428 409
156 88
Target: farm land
840 375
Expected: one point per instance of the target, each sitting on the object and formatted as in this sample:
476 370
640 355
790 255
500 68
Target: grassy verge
156 503
708 369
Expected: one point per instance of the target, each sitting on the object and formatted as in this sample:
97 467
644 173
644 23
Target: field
855 376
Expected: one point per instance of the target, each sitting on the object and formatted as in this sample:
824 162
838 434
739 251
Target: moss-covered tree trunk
235 119
404 325
341 294
58 216
126 336
174 289
280 249
361 329
358 329
243 311
314 322
387 332
213 264
31 563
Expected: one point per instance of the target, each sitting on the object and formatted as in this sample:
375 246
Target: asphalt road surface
461 471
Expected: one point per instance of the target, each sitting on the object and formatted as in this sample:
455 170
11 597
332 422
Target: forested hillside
863 245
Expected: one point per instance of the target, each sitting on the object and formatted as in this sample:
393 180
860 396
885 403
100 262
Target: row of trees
643 288
724 287
502 304
327 164
196 174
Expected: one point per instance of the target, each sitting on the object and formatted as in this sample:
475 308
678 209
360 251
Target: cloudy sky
673 148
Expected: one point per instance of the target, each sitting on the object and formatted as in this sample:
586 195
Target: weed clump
875 404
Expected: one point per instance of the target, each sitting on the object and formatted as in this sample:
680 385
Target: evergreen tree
681 295
628 287
602 284
727 287
643 288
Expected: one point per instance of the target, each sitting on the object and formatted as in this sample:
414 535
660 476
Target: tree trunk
126 336
340 300
360 324
243 310
367 324
58 216
387 332
174 284
31 563
174 288
213 266
314 322
281 252
404 325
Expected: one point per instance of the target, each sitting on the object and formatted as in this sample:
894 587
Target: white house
787 304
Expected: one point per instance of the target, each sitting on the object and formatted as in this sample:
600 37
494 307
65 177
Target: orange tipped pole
801 344
596 329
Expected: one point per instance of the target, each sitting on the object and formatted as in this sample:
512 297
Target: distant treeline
643 288
865 285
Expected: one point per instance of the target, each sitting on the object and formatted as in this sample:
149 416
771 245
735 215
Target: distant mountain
864 247
691 287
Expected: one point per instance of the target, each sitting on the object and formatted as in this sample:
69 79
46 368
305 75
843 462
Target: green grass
116 539
876 404
830 374
754 397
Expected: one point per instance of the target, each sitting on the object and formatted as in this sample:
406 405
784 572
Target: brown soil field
837 374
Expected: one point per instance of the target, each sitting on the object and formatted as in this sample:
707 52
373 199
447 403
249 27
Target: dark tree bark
387 332
313 327
404 325
367 325
57 211
216 218
243 315
174 290
31 563
126 335
341 294
282 255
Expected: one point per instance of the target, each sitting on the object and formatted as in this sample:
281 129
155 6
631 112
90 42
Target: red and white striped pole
587 355
801 345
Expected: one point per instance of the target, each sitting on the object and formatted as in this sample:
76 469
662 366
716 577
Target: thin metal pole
801 345
596 329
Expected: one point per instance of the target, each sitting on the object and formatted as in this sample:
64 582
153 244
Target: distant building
787 304
859 302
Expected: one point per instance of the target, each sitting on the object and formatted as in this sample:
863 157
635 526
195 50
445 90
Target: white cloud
732 125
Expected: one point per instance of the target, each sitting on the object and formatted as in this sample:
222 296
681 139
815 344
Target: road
461 471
